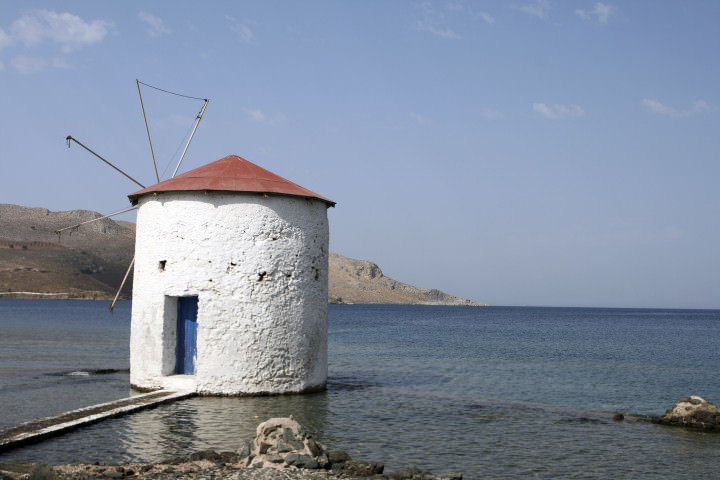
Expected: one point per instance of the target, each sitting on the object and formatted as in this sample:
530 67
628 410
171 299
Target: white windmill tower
230 284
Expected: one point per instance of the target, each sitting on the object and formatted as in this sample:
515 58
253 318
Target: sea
492 392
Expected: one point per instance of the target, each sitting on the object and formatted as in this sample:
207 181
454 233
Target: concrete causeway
37 430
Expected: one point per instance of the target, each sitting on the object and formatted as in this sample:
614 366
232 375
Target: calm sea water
493 392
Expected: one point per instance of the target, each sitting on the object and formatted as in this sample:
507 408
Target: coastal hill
360 281
89 262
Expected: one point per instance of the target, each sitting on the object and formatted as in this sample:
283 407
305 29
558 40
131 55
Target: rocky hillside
90 262
360 281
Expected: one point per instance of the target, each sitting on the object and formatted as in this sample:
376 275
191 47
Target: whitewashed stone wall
259 267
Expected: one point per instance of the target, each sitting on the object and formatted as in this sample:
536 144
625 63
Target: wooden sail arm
197 122
95 220
112 305
69 137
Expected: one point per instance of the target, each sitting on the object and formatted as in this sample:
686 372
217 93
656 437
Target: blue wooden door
186 351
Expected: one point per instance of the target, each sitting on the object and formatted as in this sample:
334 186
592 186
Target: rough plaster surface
259 266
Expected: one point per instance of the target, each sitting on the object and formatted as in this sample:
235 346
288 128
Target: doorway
186 350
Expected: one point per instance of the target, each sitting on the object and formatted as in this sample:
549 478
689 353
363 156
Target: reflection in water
176 429
219 423
152 433
179 425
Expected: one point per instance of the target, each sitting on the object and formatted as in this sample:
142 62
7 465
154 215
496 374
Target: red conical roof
229 174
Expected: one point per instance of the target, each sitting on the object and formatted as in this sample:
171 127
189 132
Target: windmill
189 136
230 283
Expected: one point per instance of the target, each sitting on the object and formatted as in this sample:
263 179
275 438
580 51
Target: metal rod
101 158
96 219
197 122
112 305
147 130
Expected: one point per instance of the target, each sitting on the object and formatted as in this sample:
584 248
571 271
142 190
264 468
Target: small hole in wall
161 265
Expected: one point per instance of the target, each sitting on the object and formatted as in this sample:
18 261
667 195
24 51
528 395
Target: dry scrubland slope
87 263
91 261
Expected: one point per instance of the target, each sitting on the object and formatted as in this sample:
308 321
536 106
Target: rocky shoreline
281 449
192 470
693 412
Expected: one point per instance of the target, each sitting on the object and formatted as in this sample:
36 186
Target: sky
518 152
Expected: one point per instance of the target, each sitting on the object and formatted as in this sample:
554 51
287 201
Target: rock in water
280 442
283 443
693 412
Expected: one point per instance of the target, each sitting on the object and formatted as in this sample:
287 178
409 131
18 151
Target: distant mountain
360 281
90 262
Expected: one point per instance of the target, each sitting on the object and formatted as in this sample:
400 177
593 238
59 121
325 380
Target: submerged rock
693 412
362 468
413 473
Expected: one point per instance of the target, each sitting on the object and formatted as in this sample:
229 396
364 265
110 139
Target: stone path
36 430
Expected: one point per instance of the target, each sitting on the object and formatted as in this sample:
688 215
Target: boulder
338 456
282 443
209 455
693 412
362 468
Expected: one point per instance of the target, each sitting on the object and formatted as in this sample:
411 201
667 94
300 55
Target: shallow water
43 342
492 392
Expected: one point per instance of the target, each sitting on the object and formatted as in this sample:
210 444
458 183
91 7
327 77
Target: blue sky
528 152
